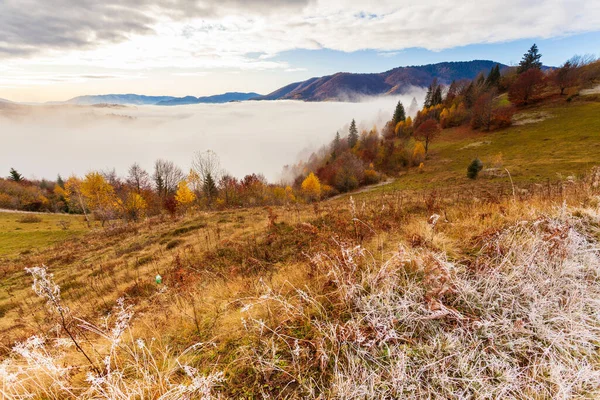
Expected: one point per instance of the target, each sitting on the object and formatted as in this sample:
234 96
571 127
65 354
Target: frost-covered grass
375 298
522 322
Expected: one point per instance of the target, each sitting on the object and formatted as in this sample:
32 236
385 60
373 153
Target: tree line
359 157
486 103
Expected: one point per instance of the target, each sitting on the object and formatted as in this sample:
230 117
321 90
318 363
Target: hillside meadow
432 285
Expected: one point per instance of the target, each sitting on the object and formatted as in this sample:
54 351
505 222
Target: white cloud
157 33
129 37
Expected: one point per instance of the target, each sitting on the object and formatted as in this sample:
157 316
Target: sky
59 49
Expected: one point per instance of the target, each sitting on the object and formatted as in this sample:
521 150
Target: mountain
345 86
136 99
219 98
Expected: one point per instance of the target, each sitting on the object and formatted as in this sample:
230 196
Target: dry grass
423 295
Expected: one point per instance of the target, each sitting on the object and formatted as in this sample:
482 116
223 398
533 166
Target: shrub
174 243
30 219
474 168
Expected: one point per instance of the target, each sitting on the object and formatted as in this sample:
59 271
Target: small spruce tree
15 176
353 135
399 114
494 77
335 146
530 60
474 168
210 188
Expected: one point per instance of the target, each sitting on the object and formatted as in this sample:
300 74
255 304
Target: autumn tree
565 76
526 86
531 60
99 196
184 196
349 172
229 189
134 206
427 132
482 111
352 135
399 114
418 155
74 197
311 187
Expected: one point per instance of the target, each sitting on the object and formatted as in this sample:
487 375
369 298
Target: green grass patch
18 237
566 142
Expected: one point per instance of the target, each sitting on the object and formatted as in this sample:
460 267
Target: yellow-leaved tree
99 196
311 187
184 196
135 206
418 153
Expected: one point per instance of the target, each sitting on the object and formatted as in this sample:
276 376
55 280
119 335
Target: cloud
245 34
103 138
33 26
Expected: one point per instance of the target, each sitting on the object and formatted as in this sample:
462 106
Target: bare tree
166 177
207 163
138 178
208 167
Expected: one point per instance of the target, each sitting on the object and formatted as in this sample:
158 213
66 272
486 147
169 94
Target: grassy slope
212 258
17 236
567 143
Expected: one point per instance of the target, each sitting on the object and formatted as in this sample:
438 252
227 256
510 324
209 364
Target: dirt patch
476 144
594 90
531 117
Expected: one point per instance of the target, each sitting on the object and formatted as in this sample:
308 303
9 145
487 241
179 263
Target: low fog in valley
249 137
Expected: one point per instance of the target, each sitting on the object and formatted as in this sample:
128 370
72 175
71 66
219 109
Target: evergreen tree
480 80
474 168
494 77
335 146
430 94
530 60
60 182
399 114
470 95
414 107
353 135
451 94
437 96
15 176
210 188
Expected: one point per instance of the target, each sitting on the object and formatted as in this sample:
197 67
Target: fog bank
260 137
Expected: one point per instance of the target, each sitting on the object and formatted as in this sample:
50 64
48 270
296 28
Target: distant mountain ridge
137 99
345 86
219 98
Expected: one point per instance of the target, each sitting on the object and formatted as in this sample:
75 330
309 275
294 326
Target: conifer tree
60 182
494 77
15 176
399 113
335 146
429 97
414 107
530 60
353 135
437 96
210 188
